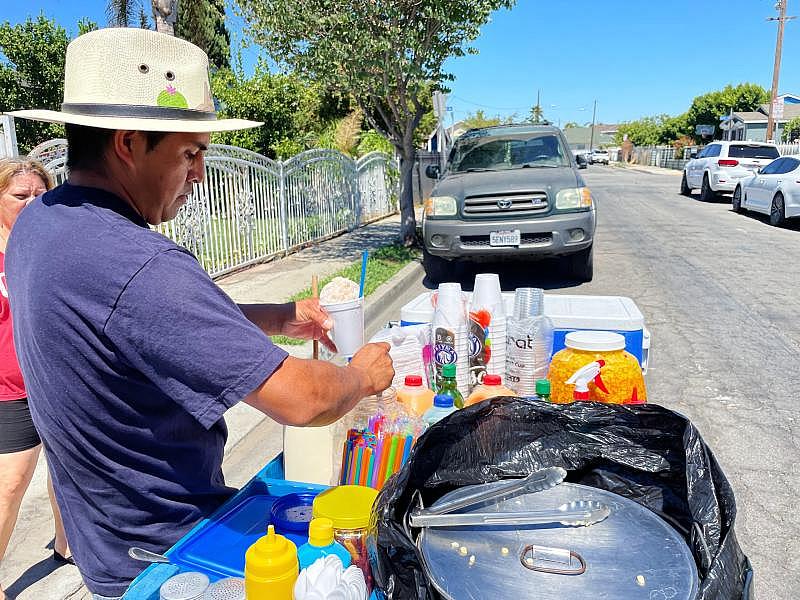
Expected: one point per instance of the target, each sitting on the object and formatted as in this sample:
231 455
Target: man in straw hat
131 354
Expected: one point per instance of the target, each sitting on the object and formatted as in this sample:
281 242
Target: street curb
401 279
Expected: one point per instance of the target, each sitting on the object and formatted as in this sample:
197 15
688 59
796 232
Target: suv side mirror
693 154
433 171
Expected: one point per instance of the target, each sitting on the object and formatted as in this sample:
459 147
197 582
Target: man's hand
310 322
375 366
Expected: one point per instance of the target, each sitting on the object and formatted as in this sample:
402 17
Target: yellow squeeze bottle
270 568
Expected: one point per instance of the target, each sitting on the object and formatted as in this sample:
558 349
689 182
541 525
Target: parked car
720 166
511 191
599 156
773 191
582 158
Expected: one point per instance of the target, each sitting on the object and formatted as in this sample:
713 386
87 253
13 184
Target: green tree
642 132
384 54
571 124
122 13
537 115
708 108
32 75
294 113
479 119
791 131
202 22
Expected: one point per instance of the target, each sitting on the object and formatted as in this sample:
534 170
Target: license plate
504 238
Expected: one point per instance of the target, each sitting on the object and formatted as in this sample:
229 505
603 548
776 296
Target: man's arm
313 392
304 319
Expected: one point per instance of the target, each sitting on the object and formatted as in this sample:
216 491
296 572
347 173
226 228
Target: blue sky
635 57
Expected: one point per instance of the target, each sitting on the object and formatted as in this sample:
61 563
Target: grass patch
382 265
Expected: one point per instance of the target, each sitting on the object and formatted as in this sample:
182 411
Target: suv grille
513 204
526 239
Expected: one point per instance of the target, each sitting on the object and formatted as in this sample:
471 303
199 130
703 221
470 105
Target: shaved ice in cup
340 298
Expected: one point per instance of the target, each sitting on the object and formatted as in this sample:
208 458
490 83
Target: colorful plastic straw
364 259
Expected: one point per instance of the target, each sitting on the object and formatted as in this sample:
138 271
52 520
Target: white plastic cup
488 294
348 325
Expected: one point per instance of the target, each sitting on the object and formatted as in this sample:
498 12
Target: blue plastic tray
216 546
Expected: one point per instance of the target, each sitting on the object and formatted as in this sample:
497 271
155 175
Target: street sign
777 108
704 130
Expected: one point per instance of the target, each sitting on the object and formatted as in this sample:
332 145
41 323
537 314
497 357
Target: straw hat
137 79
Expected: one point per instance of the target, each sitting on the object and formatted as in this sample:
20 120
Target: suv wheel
736 203
685 189
706 193
436 268
777 212
581 264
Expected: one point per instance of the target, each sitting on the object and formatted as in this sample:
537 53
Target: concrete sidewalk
646 169
28 572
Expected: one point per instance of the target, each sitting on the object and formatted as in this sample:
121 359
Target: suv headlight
441 206
572 198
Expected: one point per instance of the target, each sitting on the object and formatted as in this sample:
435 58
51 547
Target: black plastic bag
647 453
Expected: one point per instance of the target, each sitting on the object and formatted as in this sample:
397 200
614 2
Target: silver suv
511 191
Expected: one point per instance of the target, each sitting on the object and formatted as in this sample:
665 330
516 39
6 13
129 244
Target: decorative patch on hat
171 98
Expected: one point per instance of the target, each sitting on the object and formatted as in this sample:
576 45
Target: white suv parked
720 166
599 156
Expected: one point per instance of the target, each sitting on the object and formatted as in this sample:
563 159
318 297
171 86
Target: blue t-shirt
131 355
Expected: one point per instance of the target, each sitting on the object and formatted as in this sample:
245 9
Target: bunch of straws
371 455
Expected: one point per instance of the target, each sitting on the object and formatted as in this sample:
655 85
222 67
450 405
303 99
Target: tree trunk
165 13
408 222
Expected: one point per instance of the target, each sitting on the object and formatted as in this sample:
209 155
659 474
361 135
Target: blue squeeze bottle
321 543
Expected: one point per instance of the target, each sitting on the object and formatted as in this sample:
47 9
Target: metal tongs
577 513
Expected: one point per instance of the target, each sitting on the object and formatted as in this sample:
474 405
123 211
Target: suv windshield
494 153
744 151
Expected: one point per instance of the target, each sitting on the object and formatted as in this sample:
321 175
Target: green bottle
449 387
543 389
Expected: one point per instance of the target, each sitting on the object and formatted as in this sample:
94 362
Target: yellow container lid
320 532
348 506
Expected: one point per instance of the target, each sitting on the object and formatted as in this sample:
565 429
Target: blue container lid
292 512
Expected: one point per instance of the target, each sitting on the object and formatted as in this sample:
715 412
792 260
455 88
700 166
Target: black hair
87 145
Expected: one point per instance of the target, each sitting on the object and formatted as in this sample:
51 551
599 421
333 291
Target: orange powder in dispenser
619 380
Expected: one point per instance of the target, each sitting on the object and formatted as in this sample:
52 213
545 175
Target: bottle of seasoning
442 406
543 389
449 385
321 543
491 387
415 396
271 568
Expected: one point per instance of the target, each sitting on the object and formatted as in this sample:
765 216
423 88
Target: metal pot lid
633 554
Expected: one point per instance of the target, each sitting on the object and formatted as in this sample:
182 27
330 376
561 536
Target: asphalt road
719 294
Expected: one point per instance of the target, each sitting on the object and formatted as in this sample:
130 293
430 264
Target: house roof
790 111
750 116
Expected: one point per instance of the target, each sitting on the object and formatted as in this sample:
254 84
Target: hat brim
137 123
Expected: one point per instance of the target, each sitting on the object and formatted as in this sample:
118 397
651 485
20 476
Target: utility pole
591 134
780 5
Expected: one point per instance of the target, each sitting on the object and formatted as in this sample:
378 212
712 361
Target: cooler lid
593 312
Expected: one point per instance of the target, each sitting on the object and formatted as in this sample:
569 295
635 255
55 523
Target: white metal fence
250 208
667 158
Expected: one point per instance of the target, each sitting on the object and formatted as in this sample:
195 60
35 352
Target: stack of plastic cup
487 295
451 314
530 342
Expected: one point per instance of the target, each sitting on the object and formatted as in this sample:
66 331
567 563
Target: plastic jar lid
292 512
595 341
413 380
348 506
492 380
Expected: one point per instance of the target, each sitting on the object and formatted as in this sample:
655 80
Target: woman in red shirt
21 180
